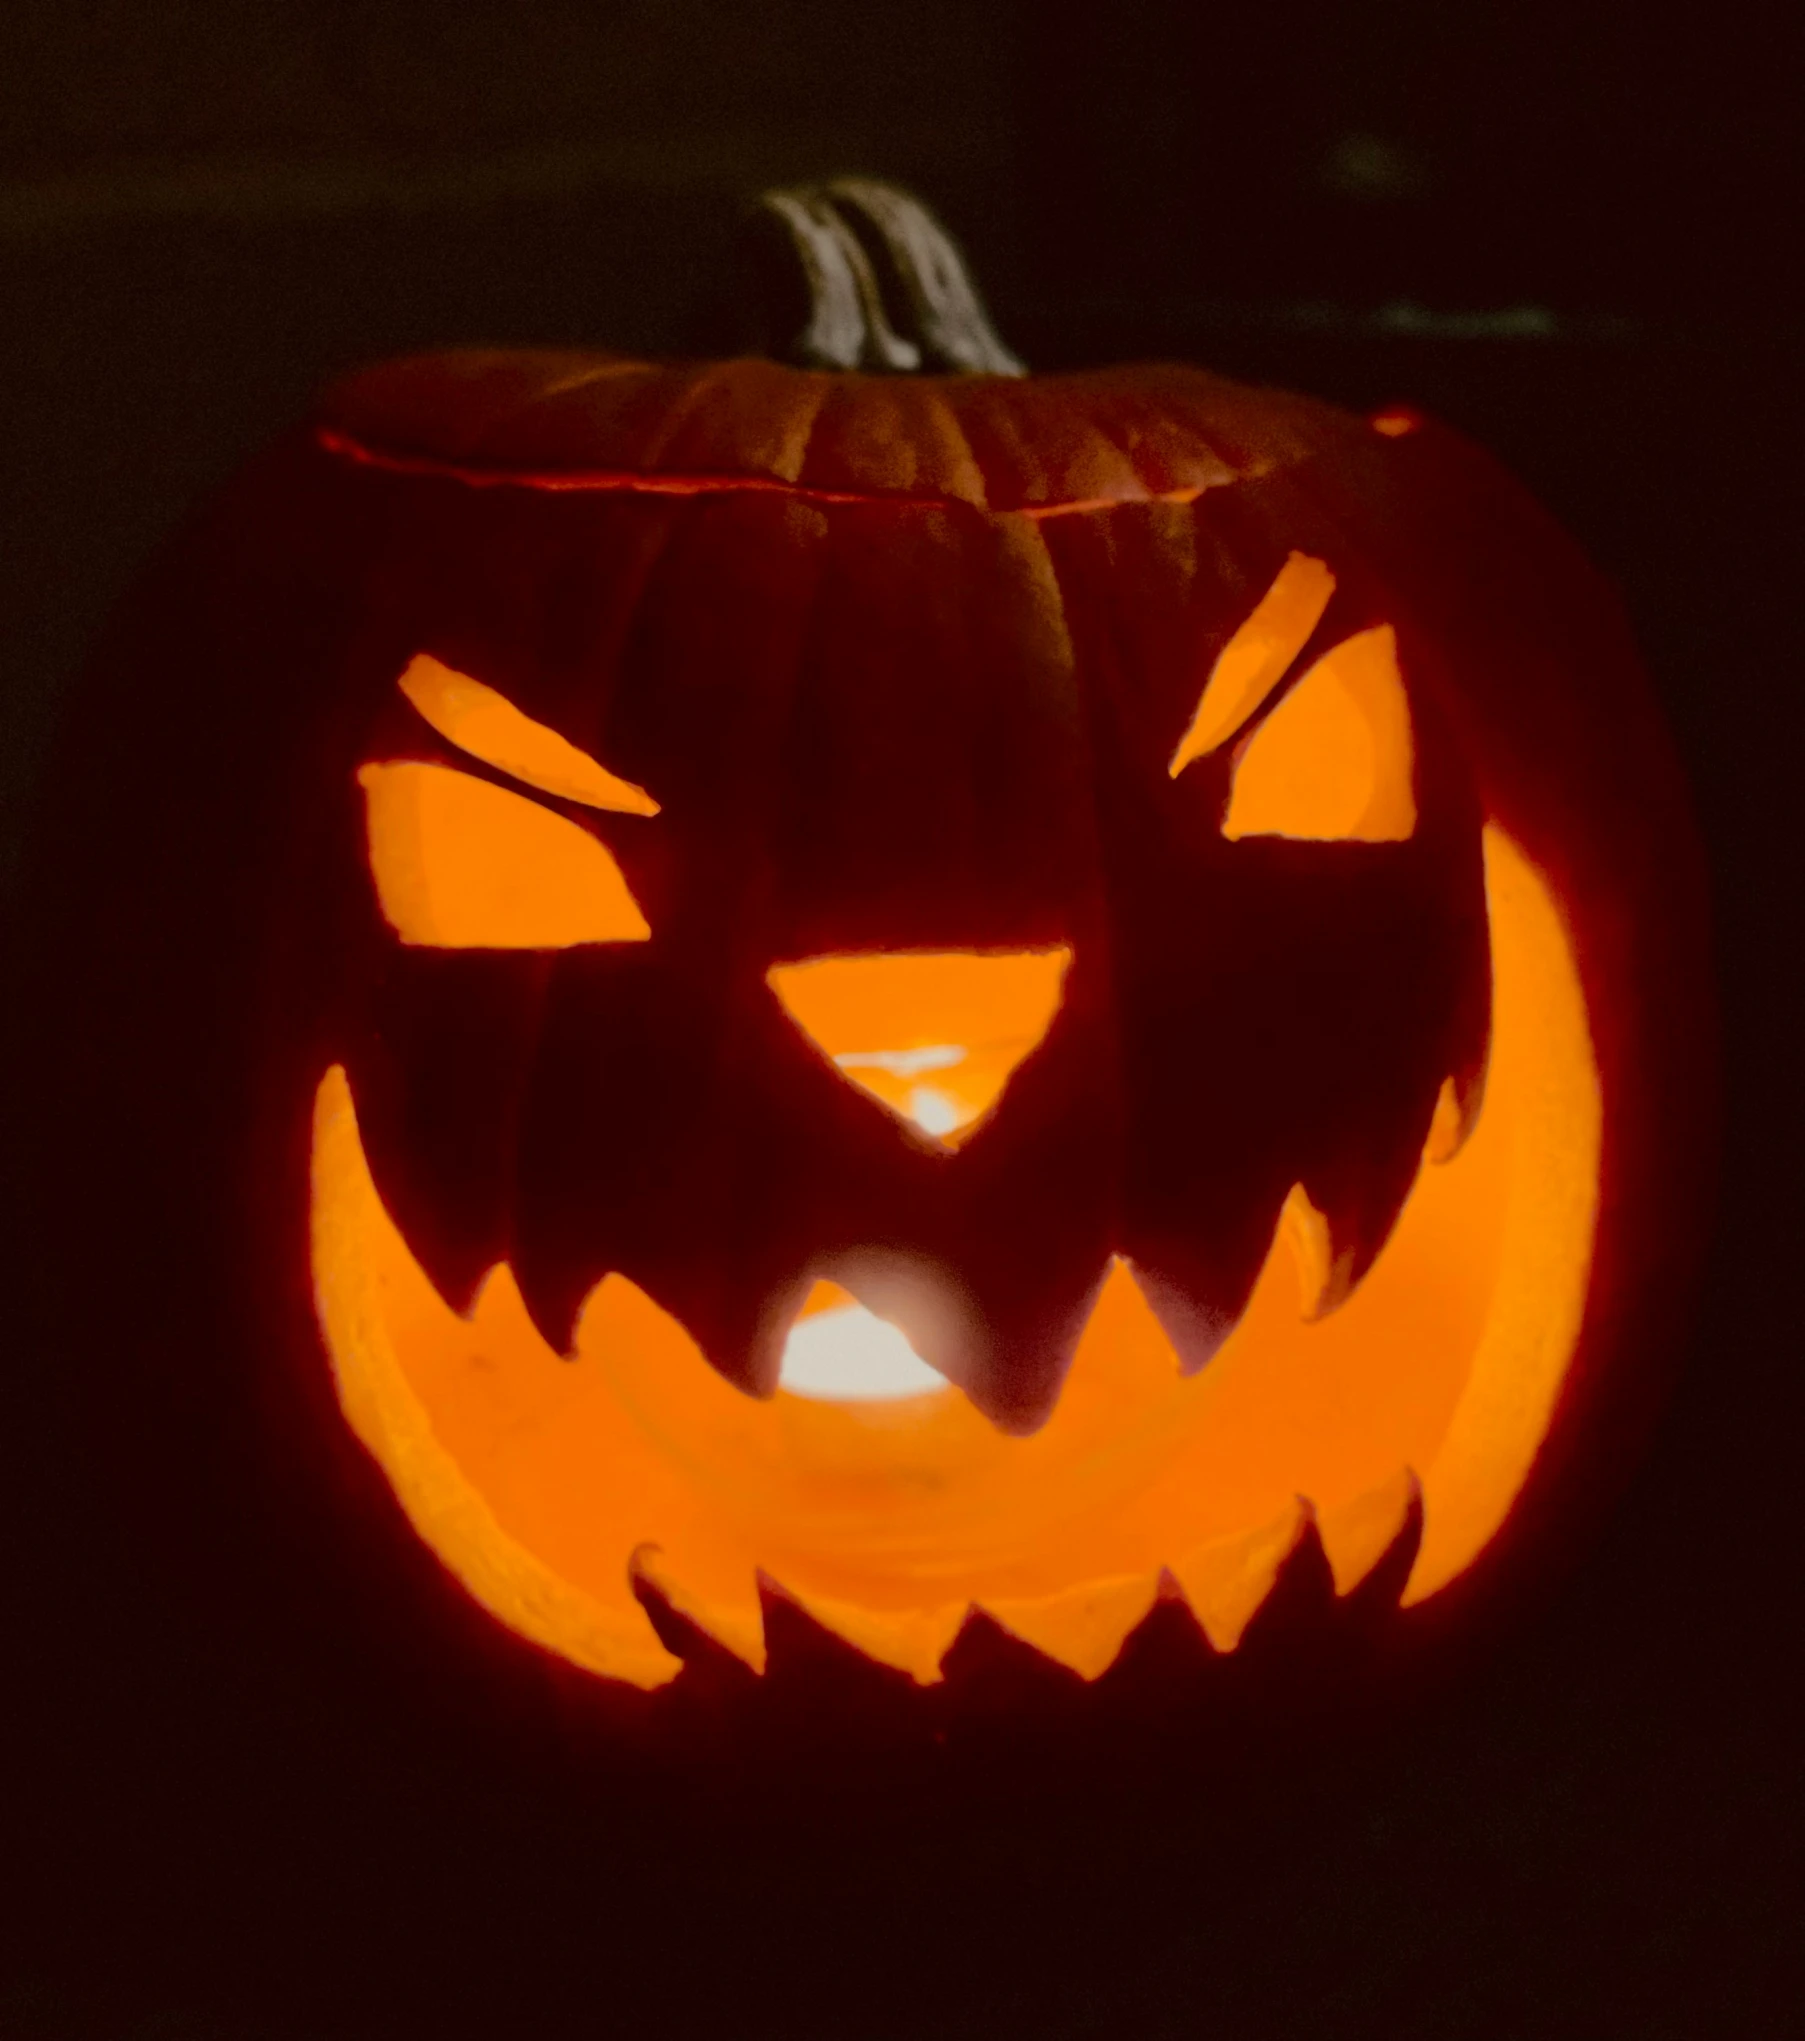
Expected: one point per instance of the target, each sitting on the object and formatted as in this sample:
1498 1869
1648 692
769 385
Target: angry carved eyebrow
488 726
1256 658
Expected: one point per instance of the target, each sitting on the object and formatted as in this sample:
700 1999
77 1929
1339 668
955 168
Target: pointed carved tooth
1124 1350
1445 1129
642 1342
1226 1580
433 1114
1325 1268
498 1309
1014 1370
1456 1114
1193 1329
1356 1535
1083 1627
1198 1270
720 1599
912 1640
554 1300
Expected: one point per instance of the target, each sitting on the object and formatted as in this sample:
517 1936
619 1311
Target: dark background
1566 230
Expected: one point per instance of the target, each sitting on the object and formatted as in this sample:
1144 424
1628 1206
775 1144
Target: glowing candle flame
850 1355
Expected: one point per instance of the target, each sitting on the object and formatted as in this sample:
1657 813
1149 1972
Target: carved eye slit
462 864
1257 657
459 863
1335 761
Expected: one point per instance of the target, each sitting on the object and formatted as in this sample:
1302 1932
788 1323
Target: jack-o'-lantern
942 989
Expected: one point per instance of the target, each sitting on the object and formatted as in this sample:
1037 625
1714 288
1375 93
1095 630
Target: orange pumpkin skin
203 933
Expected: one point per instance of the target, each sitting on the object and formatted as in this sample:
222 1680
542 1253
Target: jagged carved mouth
543 1483
1113 1281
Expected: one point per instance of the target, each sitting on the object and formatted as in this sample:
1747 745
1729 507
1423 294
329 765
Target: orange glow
488 726
462 864
935 1037
1256 658
1335 759
544 1484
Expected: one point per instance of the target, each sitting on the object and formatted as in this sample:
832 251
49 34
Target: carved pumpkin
949 991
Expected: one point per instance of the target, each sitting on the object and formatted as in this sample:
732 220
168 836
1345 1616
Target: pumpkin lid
891 382
998 442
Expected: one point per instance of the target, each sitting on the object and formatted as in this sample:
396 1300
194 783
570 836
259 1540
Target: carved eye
1335 759
461 864
1334 762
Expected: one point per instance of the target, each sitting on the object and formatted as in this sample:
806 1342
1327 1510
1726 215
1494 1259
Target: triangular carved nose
935 1036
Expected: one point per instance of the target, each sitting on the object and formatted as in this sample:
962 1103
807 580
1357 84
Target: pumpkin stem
886 288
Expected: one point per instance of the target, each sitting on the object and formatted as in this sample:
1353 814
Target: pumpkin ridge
591 371
805 436
682 405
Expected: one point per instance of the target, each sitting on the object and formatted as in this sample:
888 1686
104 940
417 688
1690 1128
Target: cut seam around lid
628 481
